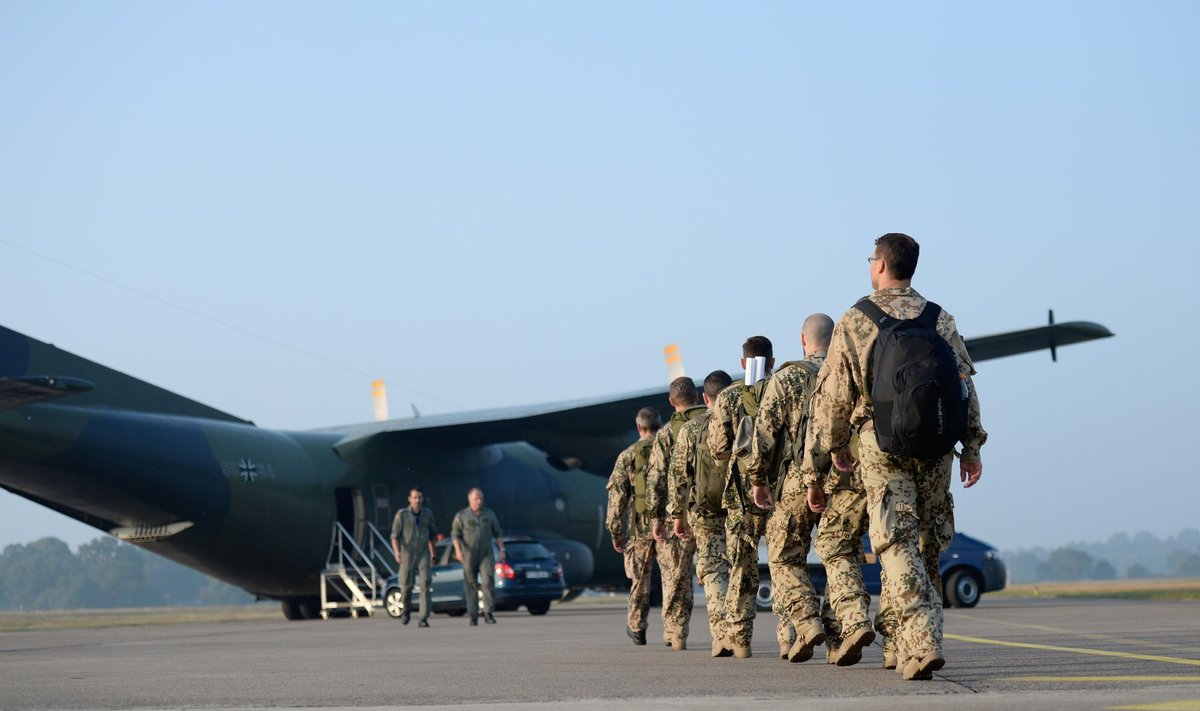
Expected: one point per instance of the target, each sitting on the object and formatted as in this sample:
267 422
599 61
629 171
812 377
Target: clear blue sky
510 203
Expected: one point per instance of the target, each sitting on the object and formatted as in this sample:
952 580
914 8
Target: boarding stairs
354 575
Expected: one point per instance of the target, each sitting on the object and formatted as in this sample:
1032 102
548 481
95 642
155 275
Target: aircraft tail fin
32 371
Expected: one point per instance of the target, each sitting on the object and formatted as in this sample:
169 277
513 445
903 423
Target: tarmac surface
1037 654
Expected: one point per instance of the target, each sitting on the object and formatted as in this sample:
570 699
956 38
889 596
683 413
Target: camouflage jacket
660 461
623 521
722 429
842 399
782 408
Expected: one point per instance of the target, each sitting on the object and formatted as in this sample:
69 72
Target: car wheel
762 601
393 603
538 608
963 589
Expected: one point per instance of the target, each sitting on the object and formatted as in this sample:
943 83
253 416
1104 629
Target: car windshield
525 550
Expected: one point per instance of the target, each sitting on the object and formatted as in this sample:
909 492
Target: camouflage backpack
708 488
785 450
641 468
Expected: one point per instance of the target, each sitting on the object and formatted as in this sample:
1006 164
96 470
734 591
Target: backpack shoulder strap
873 312
929 315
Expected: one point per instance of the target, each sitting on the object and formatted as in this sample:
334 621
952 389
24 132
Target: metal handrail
388 557
342 536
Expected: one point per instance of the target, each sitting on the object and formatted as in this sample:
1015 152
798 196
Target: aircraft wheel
538 608
309 607
963 589
571 594
762 601
291 610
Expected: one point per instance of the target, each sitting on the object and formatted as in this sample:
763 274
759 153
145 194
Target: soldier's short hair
683 391
818 331
900 252
649 419
757 346
716 381
415 490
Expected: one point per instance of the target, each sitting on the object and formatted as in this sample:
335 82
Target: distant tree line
46 575
1142 556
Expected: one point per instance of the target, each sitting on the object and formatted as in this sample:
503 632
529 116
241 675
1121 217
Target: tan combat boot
721 648
850 651
808 636
922 668
891 657
741 652
679 644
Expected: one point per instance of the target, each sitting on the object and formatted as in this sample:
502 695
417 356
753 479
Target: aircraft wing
582 433
590 433
1035 339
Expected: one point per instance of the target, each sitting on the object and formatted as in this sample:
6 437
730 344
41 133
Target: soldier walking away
906 438
474 530
413 534
843 509
629 523
695 488
675 553
773 468
746 524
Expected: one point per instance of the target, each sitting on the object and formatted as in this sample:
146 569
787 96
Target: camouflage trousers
712 566
839 544
743 531
893 510
676 566
789 537
639 559
935 532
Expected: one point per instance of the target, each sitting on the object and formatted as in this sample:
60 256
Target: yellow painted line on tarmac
1181 705
1078 650
1179 648
1110 679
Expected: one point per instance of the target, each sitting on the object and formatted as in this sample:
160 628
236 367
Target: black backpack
919 396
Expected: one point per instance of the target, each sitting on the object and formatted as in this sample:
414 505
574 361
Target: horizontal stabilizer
19 392
1034 339
25 360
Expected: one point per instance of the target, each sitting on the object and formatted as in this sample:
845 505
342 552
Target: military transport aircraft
265 509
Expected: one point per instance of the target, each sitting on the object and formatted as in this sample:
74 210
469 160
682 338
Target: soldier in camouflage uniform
843 509
693 513
628 522
746 523
935 514
893 483
779 426
675 557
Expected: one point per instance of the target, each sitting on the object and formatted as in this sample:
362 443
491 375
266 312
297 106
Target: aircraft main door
351 512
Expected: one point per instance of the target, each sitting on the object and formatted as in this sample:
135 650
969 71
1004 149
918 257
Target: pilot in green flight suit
472 532
413 533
